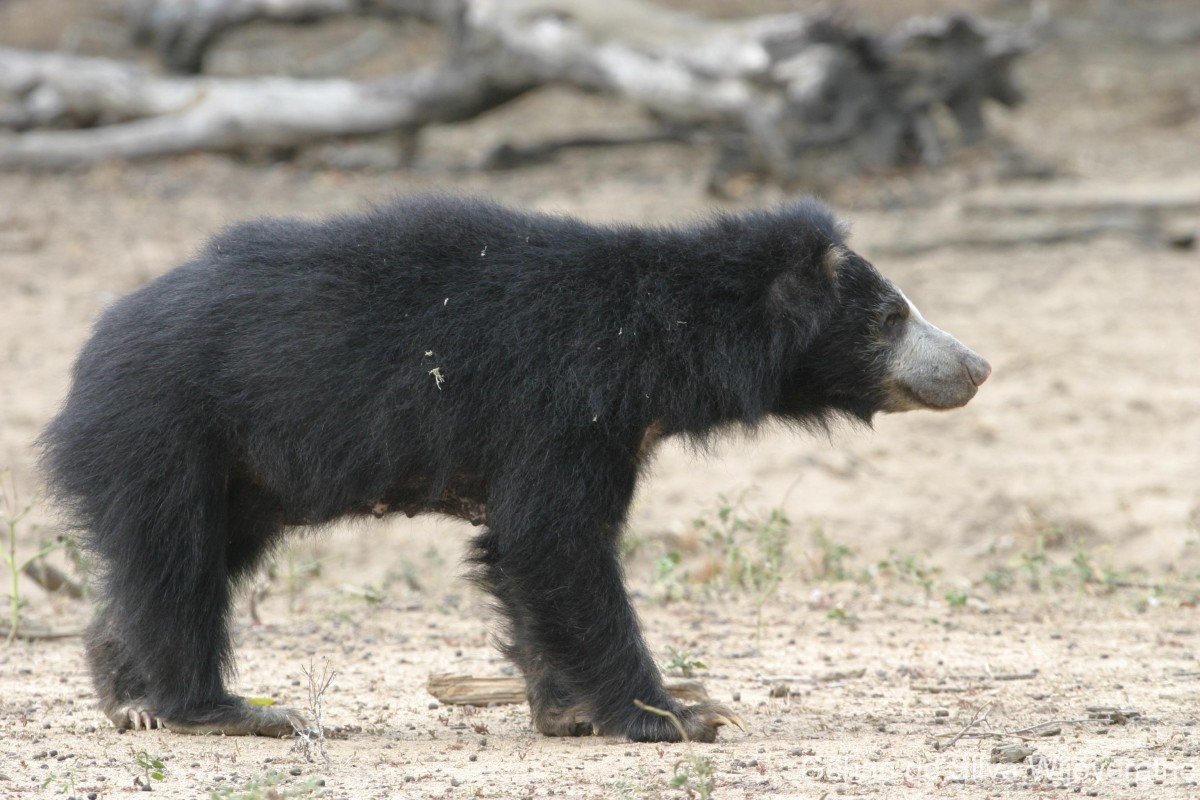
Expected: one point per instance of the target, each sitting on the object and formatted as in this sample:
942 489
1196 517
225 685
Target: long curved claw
732 720
702 721
137 719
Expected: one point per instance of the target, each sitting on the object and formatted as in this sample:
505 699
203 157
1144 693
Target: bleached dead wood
182 31
772 88
133 113
471 690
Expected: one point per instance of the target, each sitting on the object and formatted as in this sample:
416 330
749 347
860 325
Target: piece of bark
463 690
52 579
471 690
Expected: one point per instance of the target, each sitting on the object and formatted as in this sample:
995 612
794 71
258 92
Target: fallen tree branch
149 115
182 31
772 90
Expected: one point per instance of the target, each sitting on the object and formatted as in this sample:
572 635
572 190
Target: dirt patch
1019 563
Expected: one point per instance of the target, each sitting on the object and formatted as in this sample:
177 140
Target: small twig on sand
1036 730
979 717
37 633
1026 734
933 688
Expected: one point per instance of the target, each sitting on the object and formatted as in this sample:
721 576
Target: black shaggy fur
441 355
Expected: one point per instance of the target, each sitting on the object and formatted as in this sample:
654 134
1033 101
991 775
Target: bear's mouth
900 397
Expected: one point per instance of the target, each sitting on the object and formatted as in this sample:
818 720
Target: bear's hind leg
253 527
122 693
160 646
117 676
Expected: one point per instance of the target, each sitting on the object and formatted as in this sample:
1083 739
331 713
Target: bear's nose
979 370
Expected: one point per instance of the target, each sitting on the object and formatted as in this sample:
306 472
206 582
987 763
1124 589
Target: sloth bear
453 356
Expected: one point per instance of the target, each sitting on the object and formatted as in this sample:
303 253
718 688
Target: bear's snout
931 369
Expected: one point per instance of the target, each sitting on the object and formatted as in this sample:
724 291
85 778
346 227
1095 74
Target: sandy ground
1021 562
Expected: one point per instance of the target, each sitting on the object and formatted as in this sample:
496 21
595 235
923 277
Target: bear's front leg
550 556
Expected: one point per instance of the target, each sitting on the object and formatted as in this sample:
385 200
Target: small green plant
749 551
627 790
999 580
828 559
694 774
840 614
683 661
153 769
12 513
299 574
1091 571
434 557
296 573
1036 566
63 784
670 582
912 570
372 595
957 599
267 787
630 545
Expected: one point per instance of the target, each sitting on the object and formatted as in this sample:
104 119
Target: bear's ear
812 283
832 260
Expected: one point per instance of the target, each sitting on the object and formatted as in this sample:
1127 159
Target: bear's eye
895 319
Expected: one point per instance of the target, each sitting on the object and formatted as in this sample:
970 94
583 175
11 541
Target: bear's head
872 350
